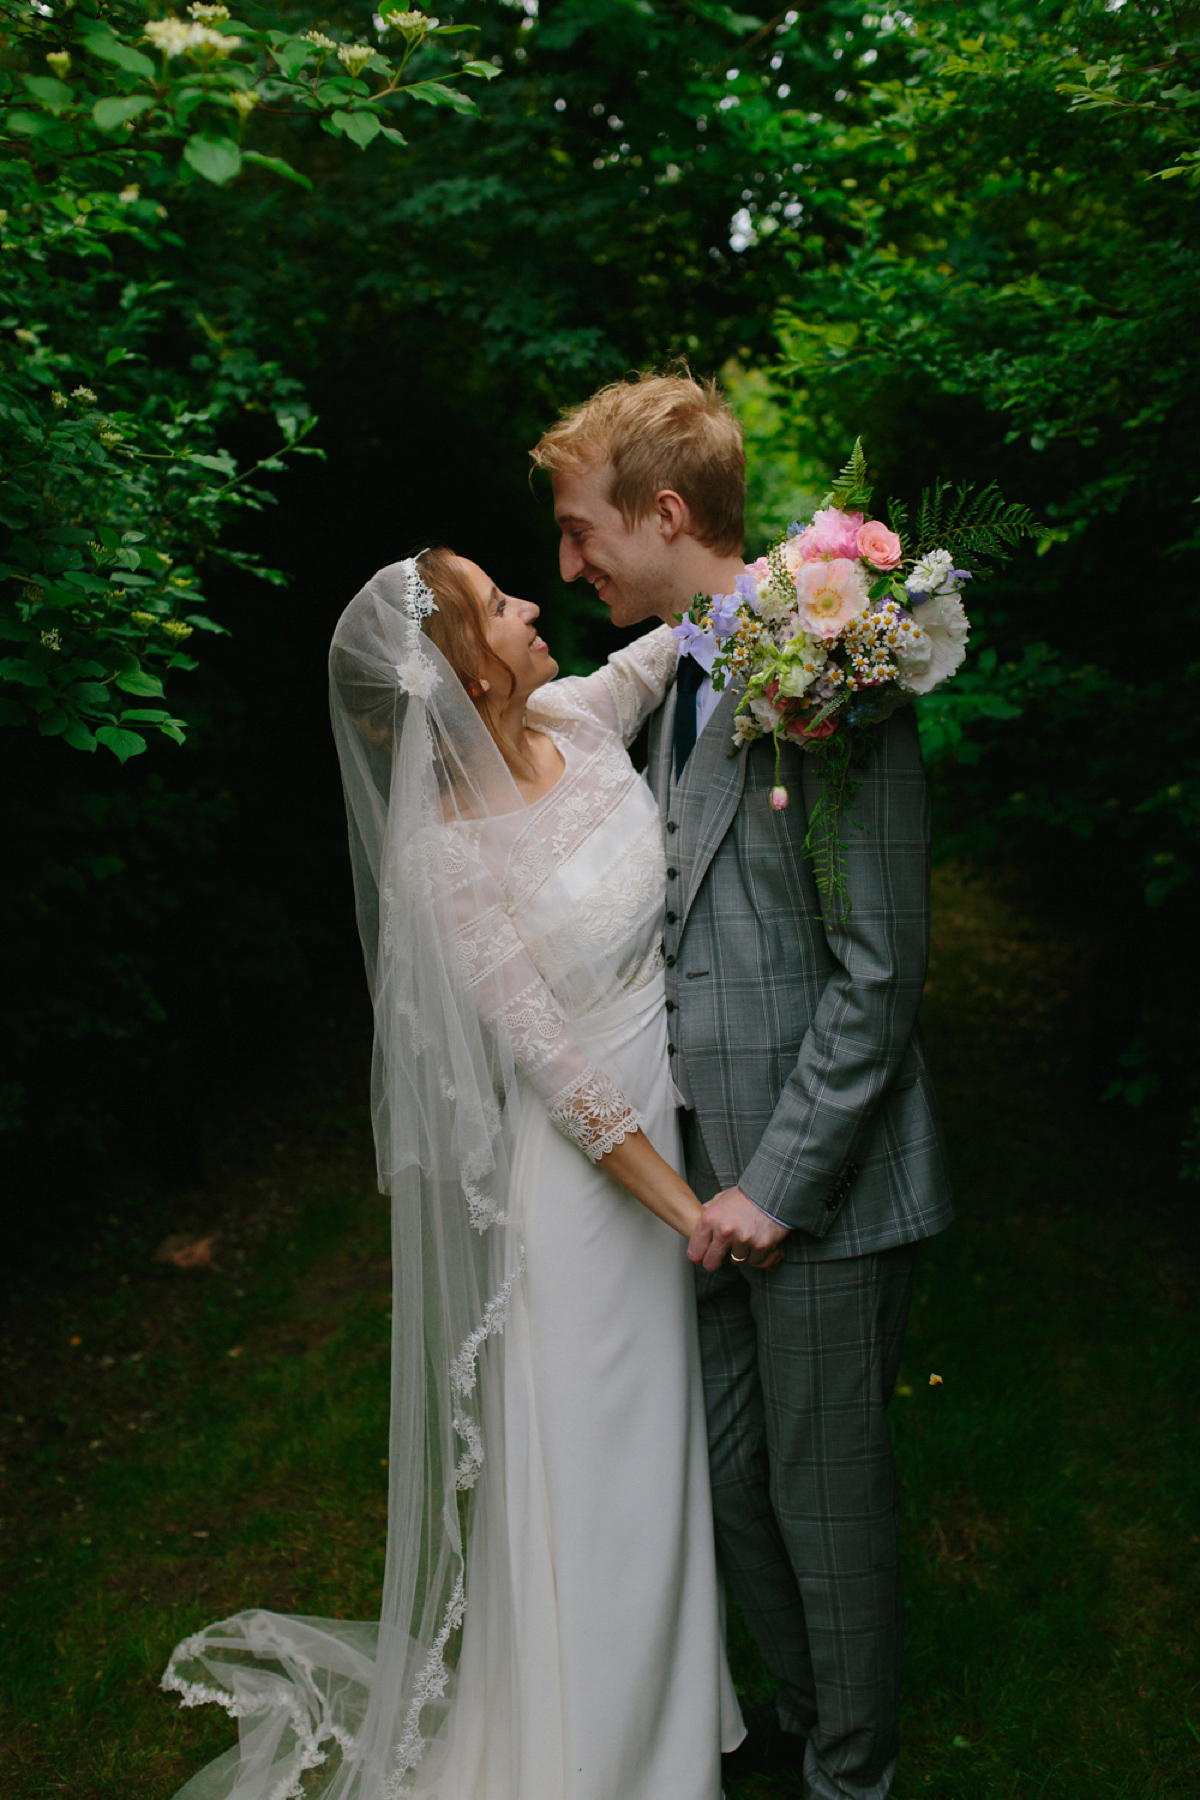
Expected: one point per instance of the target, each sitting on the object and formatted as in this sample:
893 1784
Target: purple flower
726 609
746 589
696 643
795 528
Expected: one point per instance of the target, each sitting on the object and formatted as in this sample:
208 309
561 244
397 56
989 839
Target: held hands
731 1224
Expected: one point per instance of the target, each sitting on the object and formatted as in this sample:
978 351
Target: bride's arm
586 1105
638 1167
628 688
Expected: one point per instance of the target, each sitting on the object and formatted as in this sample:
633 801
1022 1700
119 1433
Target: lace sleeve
512 997
622 694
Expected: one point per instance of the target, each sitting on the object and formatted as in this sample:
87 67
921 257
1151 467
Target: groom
810 1124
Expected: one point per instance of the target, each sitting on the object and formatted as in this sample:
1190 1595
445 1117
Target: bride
550 1625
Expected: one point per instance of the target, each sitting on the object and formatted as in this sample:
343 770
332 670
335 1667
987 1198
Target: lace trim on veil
309 1735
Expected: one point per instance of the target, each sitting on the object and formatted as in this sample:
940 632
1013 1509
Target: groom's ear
673 515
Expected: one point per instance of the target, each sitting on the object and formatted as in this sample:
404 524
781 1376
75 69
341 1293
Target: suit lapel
708 795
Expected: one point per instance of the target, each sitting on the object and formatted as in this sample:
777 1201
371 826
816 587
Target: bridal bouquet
844 620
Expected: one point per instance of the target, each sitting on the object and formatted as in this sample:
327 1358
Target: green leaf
277 166
31 124
392 135
140 681
52 722
486 71
218 159
103 43
360 127
123 744
223 463
144 716
203 623
91 693
436 93
292 54
78 736
112 112
50 92
15 668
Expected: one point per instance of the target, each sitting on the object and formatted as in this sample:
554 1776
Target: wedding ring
739 1259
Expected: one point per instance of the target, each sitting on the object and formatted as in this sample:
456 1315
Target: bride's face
510 626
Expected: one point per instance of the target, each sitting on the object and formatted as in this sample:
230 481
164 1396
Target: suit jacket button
670 1049
672 826
671 874
670 1006
670 962
671 918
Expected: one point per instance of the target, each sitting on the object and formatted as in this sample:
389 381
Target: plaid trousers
799 1366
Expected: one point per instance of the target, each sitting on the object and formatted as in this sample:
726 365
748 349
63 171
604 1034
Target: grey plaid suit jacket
798 1043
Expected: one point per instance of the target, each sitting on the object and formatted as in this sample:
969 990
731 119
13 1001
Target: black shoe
766 1749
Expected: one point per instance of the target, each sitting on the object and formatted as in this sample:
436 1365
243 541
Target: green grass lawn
178 1444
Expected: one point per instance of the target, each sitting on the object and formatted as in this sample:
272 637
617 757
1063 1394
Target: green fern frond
974 524
851 492
897 513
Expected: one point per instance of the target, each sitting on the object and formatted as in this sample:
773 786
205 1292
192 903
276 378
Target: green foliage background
967 232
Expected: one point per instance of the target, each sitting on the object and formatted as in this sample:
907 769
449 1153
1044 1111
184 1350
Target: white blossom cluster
174 37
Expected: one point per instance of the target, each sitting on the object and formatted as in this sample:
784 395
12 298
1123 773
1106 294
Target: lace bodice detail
566 897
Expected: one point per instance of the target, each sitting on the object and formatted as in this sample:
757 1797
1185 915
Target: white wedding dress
592 1662
618 1688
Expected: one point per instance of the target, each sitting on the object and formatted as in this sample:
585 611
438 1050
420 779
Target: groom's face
629 566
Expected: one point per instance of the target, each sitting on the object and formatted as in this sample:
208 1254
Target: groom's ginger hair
660 431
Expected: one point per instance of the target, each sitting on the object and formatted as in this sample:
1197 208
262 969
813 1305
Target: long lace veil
432 810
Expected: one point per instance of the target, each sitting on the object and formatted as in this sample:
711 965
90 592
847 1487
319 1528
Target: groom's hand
732 1224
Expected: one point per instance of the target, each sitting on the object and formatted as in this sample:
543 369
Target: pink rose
830 594
879 545
832 533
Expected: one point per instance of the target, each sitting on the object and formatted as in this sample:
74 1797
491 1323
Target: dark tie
687 685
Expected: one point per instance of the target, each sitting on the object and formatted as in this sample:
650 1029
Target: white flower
320 41
174 36
417 675
355 57
931 573
60 62
171 36
767 715
944 622
84 395
913 650
745 731
412 24
207 14
244 100
129 194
